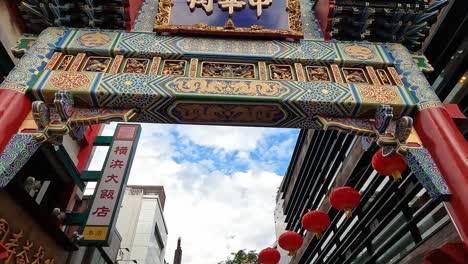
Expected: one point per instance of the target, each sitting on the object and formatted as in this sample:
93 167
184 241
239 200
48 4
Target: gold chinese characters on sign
19 252
230 5
293 29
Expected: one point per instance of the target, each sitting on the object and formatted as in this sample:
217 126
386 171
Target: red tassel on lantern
316 222
269 256
389 166
345 199
290 241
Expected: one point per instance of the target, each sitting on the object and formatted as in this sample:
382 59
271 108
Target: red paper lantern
269 256
290 241
345 199
316 222
389 166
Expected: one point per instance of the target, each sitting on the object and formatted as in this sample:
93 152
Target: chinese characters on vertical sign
107 197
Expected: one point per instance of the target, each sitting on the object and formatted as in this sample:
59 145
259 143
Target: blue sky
220 184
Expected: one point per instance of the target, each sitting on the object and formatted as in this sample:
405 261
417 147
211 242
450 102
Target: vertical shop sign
105 207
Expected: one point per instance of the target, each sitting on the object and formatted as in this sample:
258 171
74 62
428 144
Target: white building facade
141 225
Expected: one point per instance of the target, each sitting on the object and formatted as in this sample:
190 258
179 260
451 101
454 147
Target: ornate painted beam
187 100
145 44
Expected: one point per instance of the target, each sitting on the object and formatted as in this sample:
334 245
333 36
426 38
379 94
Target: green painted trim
103 140
92 176
70 167
75 219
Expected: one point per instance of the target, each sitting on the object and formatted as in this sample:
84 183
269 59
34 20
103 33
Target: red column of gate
448 148
14 107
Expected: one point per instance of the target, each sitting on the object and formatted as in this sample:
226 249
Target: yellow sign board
95 232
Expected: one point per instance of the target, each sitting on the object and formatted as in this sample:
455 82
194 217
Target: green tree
242 257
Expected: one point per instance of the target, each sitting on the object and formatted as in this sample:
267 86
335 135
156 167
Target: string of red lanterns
342 198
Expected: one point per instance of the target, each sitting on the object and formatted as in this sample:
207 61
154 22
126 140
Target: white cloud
214 213
227 138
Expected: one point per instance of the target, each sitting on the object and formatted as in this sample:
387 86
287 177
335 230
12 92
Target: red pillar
14 107
448 148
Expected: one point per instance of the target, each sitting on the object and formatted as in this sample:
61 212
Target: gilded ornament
281 72
93 40
359 52
174 67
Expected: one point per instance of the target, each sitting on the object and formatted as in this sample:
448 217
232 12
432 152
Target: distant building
178 253
142 226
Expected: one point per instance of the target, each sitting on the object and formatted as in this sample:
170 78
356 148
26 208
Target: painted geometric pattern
145 19
144 44
16 154
153 95
324 98
34 60
393 95
127 91
79 83
415 81
423 166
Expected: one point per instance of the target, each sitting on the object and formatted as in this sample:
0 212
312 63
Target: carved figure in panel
174 67
133 65
228 70
97 64
355 75
281 72
65 63
318 74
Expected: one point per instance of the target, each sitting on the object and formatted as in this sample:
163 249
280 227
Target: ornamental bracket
64 119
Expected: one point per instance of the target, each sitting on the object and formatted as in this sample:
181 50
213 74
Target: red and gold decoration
393 165
345 199
316 222
290 241
269 256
